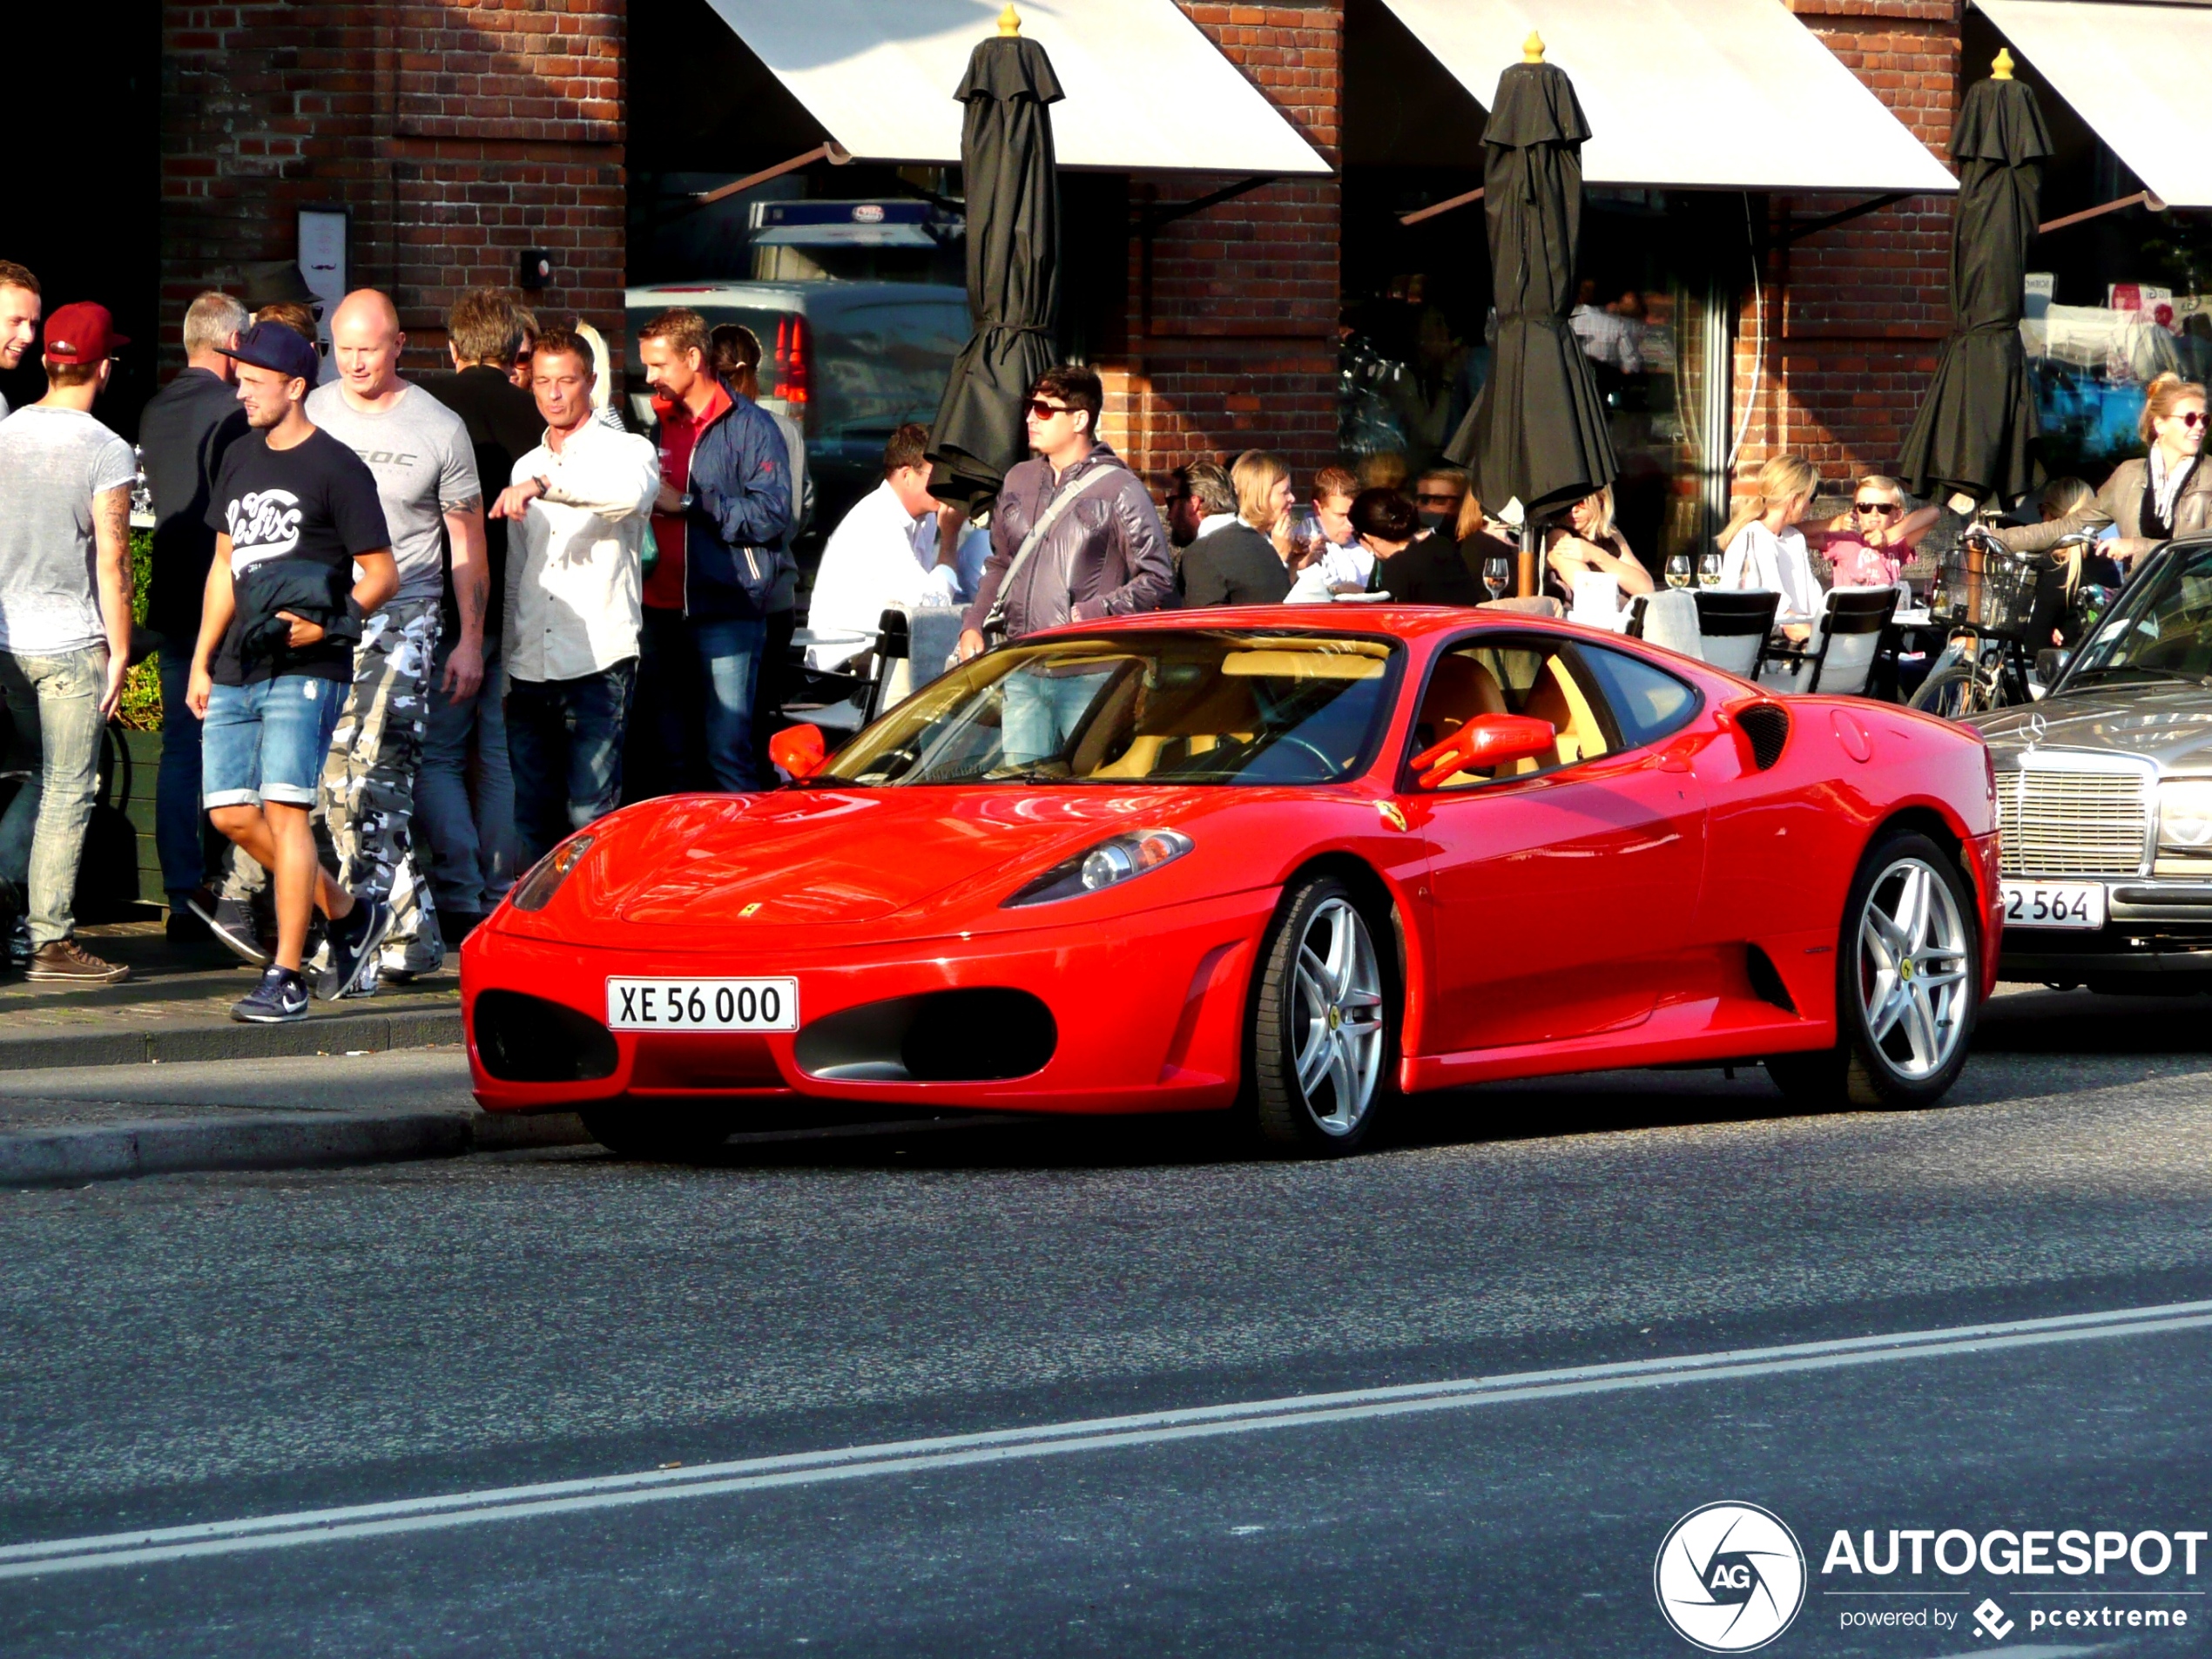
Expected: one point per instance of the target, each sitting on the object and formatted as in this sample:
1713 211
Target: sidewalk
176 1007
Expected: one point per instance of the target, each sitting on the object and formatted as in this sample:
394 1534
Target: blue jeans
728 656
55 703
464 814
565 739
180 827
268 741
1040 714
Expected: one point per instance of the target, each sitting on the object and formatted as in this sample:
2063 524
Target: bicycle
1987 593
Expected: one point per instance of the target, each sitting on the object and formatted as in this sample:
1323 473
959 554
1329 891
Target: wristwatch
683 502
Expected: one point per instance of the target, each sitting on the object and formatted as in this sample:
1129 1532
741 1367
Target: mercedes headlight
2185 815
535 890
1108 864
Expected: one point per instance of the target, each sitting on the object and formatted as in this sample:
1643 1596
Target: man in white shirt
579 511
20 306
874 561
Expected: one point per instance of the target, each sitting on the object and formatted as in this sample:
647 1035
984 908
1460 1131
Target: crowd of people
413 633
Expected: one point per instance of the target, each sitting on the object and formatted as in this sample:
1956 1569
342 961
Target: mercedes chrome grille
2074 821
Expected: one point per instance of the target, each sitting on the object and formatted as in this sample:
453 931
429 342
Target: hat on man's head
272 282
82 333
272 346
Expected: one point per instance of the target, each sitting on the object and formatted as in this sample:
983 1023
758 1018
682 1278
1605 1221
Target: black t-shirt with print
316 501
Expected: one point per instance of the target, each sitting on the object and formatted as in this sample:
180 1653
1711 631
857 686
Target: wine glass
1497 575
1708 569
1678 570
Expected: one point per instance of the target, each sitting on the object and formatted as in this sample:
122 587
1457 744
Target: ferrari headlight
1110 863
535 890
2185 815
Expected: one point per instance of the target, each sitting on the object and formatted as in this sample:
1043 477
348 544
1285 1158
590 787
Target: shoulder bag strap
995 623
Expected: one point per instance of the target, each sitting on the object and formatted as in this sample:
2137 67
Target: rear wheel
1322 1055
1954 693
657 1134
1908 984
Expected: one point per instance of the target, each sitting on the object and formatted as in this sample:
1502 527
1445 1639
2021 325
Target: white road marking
1046 1439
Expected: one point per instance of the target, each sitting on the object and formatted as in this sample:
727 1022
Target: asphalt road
196 1349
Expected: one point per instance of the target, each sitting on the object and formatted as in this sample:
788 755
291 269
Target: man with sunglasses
1103 553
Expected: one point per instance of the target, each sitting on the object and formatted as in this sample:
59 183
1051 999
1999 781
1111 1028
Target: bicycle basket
1984 586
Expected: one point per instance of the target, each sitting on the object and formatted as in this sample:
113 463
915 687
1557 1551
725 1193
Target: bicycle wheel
1954 693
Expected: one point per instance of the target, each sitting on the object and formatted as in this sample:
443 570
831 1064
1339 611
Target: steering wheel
1328 765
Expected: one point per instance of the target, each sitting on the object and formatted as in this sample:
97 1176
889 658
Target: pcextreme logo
1729 1577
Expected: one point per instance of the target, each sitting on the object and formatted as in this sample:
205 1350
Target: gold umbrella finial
2001 67
1532 49
1010 20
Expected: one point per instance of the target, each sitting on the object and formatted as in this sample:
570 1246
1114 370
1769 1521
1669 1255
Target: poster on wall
323 233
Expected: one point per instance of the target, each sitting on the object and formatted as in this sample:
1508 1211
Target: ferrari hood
801 857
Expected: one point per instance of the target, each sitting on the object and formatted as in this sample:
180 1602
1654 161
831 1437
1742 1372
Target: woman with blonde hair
2162 493
1763 548
1240 563
1586 543
2062 573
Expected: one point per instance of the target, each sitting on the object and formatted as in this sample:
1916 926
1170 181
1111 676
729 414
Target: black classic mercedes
2105 796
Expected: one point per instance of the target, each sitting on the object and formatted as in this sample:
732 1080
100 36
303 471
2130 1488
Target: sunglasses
1041 410
1444 500
2191 418
1889 508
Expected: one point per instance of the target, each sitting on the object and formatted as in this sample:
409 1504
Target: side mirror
1487 740
800 750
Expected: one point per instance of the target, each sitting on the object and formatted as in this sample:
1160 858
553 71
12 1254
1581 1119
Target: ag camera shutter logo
1729 1577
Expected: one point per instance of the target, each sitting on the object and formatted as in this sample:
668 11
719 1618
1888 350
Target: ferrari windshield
2162 631
1185 706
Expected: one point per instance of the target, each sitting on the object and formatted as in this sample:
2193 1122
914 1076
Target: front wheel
1908 971
1952 693
656 1133
1322 1052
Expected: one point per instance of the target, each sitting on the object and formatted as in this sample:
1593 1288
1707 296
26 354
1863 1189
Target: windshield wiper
2140 668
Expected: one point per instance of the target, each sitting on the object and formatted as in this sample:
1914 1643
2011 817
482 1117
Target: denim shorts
268 741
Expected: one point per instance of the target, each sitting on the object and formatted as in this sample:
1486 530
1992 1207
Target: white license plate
2054 904
703 1004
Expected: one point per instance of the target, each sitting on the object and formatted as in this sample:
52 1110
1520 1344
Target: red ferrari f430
1292 864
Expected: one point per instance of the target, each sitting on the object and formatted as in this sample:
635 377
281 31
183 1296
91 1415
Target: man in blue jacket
720 525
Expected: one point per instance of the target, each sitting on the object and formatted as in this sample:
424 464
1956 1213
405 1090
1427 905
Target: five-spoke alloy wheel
1322 1047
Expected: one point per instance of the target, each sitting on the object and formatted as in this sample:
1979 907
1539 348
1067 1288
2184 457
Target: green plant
140 709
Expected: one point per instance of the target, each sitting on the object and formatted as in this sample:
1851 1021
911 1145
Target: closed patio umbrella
1012 263
1975 433
1538 430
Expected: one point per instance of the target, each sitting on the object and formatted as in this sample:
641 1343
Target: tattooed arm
471 593
111 535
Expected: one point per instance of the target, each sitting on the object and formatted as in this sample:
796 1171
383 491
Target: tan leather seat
1459 688
1557 698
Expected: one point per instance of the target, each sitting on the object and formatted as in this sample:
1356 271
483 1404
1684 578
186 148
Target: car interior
1517 676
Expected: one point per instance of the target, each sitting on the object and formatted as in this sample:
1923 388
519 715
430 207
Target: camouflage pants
368 798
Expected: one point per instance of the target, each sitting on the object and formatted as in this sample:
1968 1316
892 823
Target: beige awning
1146 91
2137 75
1698 94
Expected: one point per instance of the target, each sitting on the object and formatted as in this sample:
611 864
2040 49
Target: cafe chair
1732 628
1839 658
1667 617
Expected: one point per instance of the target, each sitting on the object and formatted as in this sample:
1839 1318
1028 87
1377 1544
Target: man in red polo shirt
719 525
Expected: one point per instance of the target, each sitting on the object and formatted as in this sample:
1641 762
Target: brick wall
1853 317
459 135
1231 345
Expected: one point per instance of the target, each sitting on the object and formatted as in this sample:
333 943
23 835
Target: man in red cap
64 628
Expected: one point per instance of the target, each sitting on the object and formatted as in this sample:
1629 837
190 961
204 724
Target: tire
1321 1058
1908 984
657 1134
1952 695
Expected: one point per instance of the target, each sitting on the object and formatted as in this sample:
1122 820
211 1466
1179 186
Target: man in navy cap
295 514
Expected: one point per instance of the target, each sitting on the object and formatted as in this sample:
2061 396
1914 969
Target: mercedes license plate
2054 904
703 1004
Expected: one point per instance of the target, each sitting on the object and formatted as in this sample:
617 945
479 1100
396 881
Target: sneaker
19 944
353 945
232 925
279 998
67 962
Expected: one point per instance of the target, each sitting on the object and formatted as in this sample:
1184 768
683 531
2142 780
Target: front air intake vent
1767 725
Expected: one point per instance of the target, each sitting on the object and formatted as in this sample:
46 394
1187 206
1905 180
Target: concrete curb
267 1141
335 1034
